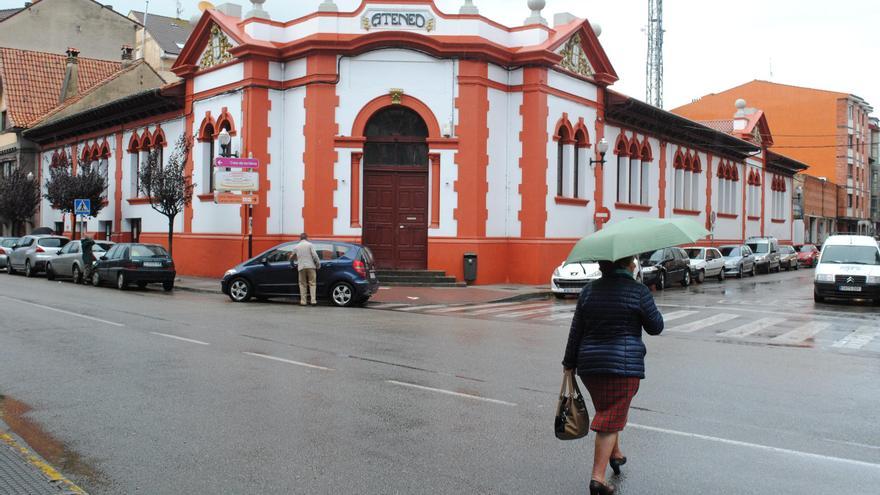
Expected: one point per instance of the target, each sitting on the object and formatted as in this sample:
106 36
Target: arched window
563 139
396 136
622 152
208 152
635 172
678 166
581 143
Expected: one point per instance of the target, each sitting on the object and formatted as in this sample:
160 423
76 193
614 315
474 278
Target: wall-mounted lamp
30 176
602 148
225 143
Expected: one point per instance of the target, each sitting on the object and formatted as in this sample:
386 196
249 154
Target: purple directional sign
233 162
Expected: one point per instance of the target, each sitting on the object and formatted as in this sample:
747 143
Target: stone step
426 273
414 278
423 284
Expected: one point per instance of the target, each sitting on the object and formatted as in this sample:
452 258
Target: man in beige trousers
308 263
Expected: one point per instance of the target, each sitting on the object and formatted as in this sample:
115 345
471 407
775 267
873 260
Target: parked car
788 258
666 266
739 260
135 263
347 275
68 263
31 253
766 251
808 254
848 268
706 262
571 278
6 244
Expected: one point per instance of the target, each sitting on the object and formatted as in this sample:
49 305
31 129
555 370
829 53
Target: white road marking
184 339
675 315
387 305
704 323
518 314
562 315
469 308
450 392
509 308
419 308
858 339
801 334
778 450
69 313
752 327
288 361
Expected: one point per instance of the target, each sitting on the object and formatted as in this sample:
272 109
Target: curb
197 290
54 477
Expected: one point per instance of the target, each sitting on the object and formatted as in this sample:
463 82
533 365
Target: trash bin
470 267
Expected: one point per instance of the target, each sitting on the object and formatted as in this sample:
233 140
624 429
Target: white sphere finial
597 28
469 8
536 7
741 104
257 10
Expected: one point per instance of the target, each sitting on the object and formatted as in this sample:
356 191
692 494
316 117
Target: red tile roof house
32 85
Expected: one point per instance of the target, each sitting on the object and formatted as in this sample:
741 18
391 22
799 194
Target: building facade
424 135
828 130
160 40
874 162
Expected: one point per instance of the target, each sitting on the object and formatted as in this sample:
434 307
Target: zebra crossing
795 329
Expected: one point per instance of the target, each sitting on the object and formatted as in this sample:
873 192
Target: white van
849 268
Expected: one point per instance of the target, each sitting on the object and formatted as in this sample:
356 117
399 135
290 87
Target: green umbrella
636 235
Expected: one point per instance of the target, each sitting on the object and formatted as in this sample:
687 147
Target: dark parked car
666 266
347 275
140 264
808 254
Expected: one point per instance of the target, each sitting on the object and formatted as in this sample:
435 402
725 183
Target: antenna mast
654 66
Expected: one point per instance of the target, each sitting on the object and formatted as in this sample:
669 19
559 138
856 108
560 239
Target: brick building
827 130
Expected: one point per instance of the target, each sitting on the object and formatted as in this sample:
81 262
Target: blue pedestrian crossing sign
82 207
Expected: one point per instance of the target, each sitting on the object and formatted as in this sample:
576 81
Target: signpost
82 208
244 180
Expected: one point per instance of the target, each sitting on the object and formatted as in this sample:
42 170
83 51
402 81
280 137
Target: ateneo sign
414 20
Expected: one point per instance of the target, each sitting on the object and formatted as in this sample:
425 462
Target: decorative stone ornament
217 51
536 7
574 58
328 6
257 10
469 8
396 95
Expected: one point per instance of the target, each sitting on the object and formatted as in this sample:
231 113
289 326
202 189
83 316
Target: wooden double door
396 217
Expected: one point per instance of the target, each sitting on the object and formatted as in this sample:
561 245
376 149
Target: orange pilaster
190 118
599 168
534 139
256 132
117 195
356 189
435 190
473 156
320 155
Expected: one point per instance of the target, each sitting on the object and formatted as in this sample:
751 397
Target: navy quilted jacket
606 333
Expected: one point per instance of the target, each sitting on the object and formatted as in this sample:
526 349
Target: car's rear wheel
342 294
701 276
28 269
168 286
754 270
240 290
77 275
686 280
50 273
96 279
741 273
121 284
721 275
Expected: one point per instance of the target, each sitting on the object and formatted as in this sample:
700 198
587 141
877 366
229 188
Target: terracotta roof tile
725 125
32 81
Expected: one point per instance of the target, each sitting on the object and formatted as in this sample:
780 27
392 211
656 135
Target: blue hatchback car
347 275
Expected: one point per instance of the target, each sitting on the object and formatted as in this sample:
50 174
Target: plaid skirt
611 395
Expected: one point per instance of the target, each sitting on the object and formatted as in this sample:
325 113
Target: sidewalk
411 295
22 472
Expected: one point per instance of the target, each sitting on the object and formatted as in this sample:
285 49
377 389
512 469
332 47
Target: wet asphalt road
272 398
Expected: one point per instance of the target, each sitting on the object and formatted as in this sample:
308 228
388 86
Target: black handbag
572 418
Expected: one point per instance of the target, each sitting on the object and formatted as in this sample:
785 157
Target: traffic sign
235 162
225 198
82 207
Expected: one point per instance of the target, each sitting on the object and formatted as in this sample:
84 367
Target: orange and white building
423 134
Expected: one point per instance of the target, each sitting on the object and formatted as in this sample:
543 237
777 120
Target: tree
63 187
167 185
19 198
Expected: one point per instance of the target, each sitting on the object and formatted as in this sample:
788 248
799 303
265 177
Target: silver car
738 260
31 253
706 262
68 263
6 244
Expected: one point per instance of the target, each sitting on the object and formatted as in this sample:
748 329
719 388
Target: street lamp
225 143
30 176
602 148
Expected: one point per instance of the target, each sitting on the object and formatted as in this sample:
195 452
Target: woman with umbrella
605 341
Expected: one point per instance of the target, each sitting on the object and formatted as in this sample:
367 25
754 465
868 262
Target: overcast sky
710 45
